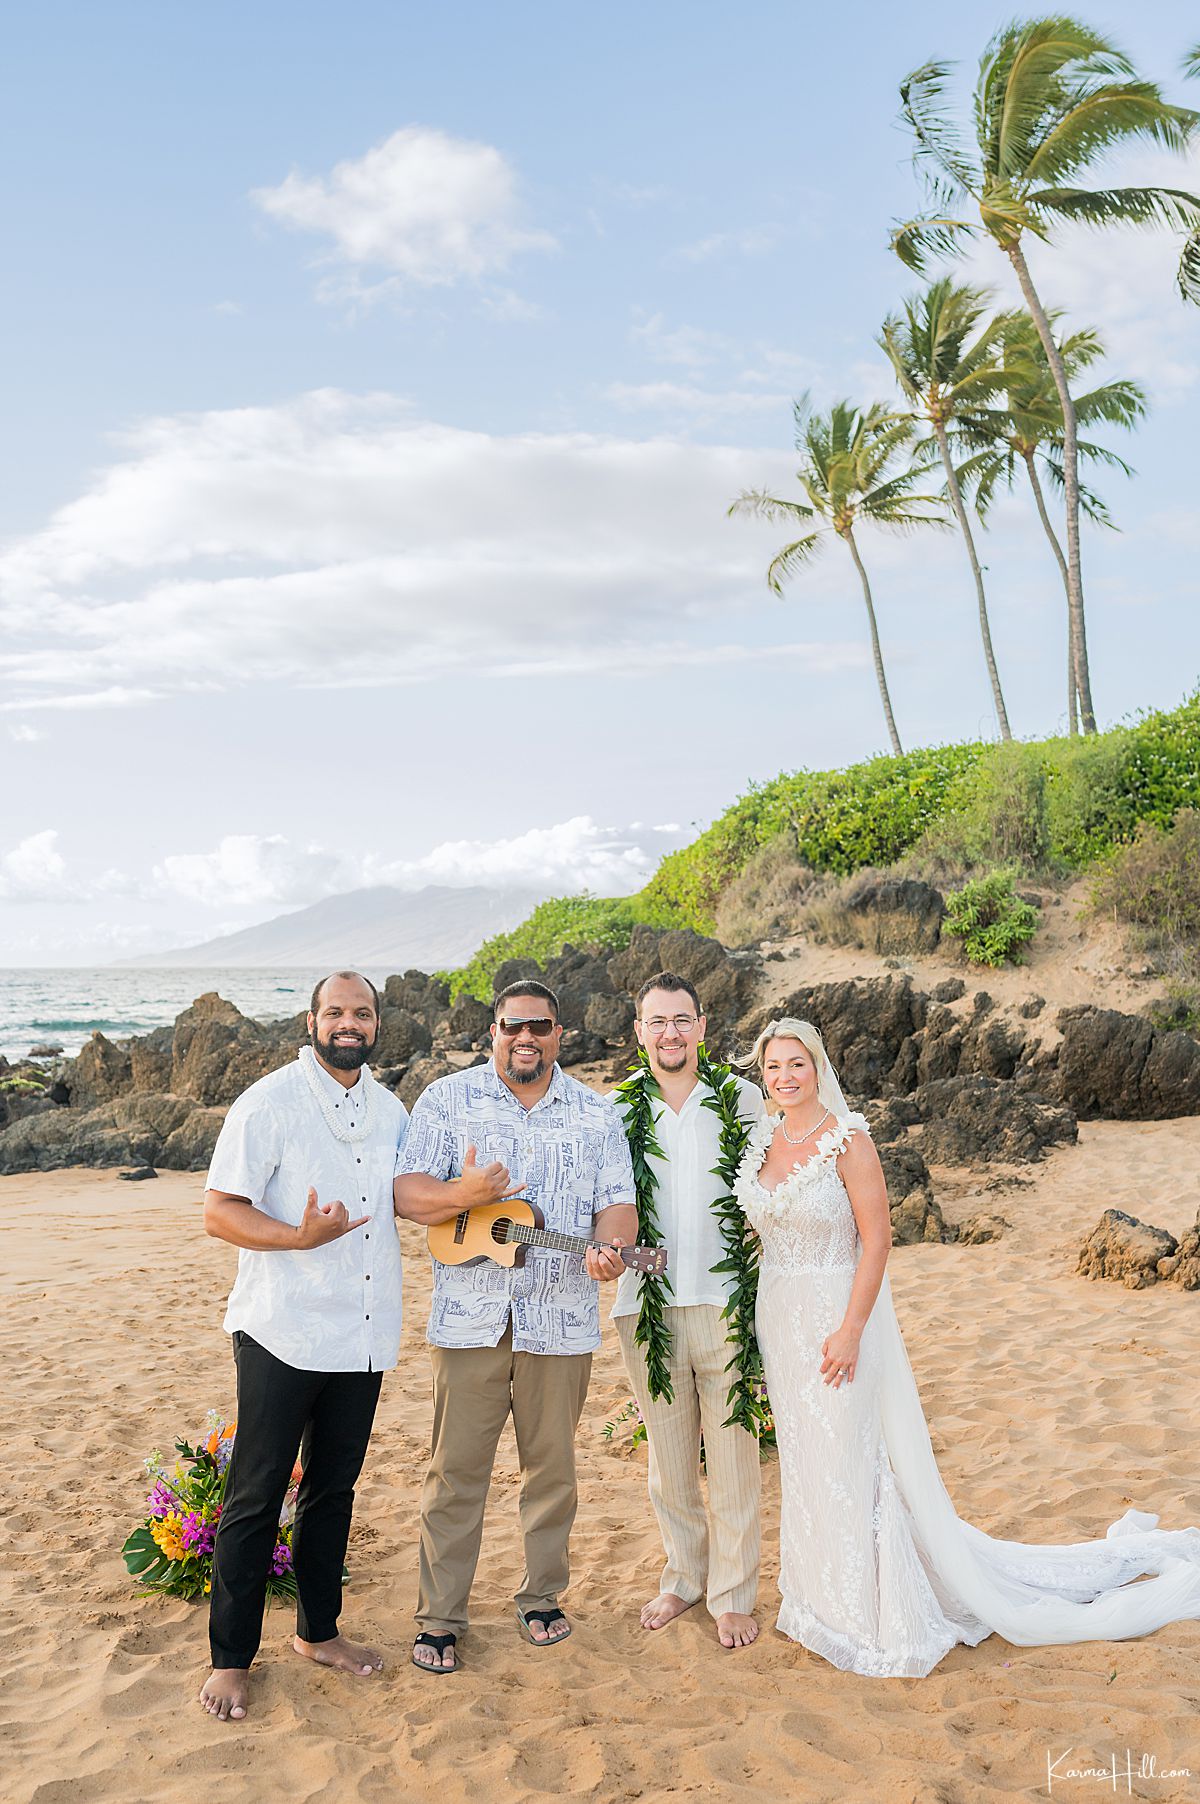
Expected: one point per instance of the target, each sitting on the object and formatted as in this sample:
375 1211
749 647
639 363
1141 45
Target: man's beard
342 1058
525 1076
672 1060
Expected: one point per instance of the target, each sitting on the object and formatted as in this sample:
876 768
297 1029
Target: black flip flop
439 1643
545 1617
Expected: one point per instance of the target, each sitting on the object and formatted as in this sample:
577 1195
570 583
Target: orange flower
225 1433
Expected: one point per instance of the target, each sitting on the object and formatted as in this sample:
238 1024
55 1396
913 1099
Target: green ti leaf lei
747 1394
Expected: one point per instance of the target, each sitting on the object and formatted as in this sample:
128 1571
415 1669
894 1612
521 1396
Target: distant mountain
378 929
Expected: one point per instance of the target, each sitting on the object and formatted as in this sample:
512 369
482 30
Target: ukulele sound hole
500 1229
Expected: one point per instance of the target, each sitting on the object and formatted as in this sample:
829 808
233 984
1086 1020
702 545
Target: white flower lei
339 1125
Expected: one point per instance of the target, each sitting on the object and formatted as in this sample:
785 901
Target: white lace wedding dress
878 1573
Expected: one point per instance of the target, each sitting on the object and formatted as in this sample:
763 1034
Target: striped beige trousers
713 1556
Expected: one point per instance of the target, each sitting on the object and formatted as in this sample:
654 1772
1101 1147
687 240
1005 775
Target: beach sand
1054 1403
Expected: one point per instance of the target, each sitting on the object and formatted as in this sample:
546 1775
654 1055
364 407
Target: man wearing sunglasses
513 1341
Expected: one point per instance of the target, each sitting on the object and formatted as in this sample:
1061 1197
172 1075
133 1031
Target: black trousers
279 1408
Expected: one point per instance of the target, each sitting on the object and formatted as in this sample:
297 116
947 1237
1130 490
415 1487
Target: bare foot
225 1691
346 1656
663 1609
736 1630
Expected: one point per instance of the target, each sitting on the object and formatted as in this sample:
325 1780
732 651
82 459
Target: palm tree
1053 97
854 468
1029 432
941 372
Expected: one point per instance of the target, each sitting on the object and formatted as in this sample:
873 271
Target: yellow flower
167 1532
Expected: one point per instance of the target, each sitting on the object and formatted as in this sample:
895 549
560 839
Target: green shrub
766 901
839 820
563 920
991 919
1155 881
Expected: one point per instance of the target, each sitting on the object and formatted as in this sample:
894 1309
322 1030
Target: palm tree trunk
1044 517
960 511
876 653
1071 484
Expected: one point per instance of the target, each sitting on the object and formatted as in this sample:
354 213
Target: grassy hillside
1050 804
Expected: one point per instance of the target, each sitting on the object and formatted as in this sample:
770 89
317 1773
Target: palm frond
791 559
1173 207
1029 76
1102 120
761 506
1090 502
928 238
1187 276
940 155
1122 403
1191 62
1092 453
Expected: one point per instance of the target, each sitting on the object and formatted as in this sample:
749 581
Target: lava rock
974 1120
99 1072
1118 1067
1126 1249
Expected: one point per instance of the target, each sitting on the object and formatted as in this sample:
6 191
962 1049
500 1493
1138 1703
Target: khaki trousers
715 1557
474 1390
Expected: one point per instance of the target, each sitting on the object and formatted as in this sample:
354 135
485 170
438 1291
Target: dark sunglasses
541 1026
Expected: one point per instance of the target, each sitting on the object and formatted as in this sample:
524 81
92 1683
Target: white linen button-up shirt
332 1308
570 1152
691 1144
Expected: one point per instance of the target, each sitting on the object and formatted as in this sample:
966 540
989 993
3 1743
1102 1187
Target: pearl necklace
807 1136
341 1128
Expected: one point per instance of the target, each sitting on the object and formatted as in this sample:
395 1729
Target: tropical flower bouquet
172 1550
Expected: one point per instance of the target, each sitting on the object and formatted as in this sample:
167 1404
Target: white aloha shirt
571 1154
333 1308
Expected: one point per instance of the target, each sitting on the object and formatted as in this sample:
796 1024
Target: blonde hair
829 1091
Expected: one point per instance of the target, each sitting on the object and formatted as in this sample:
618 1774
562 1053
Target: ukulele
503 1231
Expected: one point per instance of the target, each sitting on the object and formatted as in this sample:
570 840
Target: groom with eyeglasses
513 1340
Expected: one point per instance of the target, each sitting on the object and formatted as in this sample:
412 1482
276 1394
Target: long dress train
878 1573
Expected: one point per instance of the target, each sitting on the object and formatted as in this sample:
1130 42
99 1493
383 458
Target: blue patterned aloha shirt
571 1154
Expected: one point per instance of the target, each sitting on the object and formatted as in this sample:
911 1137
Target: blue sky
376 381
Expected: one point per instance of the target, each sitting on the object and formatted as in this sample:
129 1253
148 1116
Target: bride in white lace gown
878 1573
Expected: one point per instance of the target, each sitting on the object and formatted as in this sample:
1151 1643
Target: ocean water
65 1007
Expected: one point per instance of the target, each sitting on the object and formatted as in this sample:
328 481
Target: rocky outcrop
217 1052
894 914
130 1130
1117 1067
973 1120
1182 1267
101 1071
1131 1251
418 994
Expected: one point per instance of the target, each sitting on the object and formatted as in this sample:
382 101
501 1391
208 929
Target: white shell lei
340 1127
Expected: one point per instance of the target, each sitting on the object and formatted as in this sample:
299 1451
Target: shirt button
360 1161
366 1237
368 1318
368 1277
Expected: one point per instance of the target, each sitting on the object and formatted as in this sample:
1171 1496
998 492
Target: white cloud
23 734
35 871
751 241
691 346
698 403
251 868
338 541
427 207
270 870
